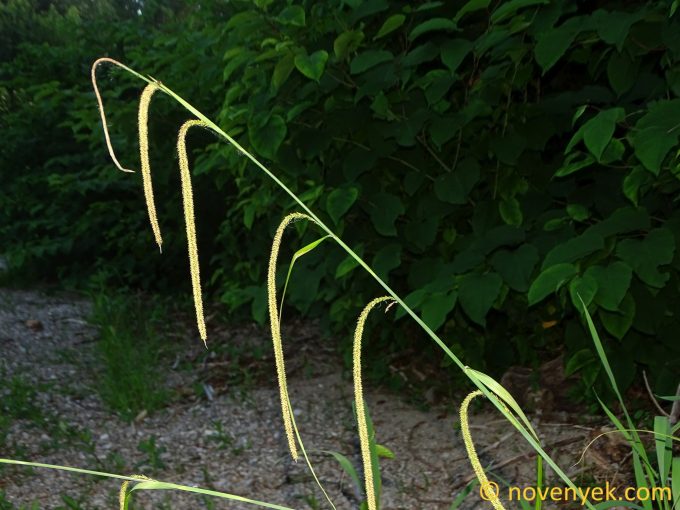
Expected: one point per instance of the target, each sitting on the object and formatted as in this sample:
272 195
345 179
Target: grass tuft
129 347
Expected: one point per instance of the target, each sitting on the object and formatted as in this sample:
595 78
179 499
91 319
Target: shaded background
490 159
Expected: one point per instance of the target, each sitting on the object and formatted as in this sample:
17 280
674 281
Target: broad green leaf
510 211
339 202
553 43
385 209
347 42
369 59
613 27
621 71
584 286
390 25
347 265
516 266
292 15
282 70
578 113
578 212
510 7
656 133
387 259
646 255
453 51
312 66
471 6
455 187
549 281
419 54
574 249
625 219
436 306
432 25
422 232
613 152
634 181
613 282
477 294
413 300
578 360
572 164
266 137
599 130
618 323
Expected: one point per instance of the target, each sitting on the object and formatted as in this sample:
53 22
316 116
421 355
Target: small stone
34 325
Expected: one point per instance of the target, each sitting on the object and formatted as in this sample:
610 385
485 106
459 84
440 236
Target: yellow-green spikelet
276 329
472 453
188 201
143 126
359 402
122 494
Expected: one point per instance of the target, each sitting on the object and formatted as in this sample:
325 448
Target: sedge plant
657 476
490 388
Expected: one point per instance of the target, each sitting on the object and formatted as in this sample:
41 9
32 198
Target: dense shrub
493 159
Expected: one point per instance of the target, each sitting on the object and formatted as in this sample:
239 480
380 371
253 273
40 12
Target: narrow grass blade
495 387
301 252
664 447
539 481
159 484
675 482
617 504
347 466
460 497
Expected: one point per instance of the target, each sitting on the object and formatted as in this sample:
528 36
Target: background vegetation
491 158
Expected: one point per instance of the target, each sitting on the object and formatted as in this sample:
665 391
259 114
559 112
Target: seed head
93 75
123 489
275 325
472 453
359 402
143 124
188 201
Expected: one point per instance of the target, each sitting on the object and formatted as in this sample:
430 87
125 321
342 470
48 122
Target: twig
652 397
675 410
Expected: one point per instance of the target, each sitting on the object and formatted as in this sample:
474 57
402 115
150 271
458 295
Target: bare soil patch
233 440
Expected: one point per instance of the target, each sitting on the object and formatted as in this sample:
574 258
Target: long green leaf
529 436
158 484
302 251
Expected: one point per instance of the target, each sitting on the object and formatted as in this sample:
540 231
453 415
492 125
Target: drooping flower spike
275 325
93 75
362 424
490 495
143 126
188 201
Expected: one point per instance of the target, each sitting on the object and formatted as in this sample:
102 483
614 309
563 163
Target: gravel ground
47 340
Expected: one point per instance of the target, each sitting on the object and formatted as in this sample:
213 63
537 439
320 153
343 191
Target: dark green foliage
495 160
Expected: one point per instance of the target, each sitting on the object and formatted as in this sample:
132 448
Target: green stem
489 394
